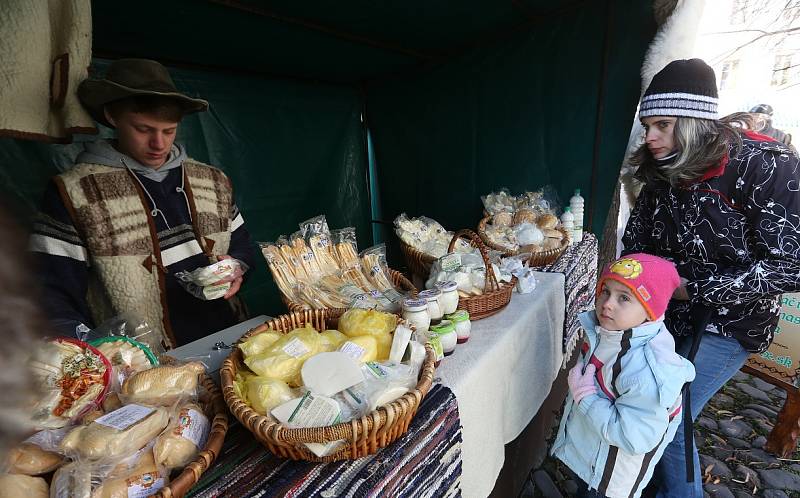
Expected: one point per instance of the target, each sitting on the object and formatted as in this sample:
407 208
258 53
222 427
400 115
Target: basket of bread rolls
521 224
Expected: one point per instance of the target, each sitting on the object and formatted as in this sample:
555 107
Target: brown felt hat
130 78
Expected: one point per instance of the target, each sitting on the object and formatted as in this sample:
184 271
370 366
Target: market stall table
502 376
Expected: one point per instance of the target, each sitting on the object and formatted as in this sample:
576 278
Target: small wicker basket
219 427
364 436
538 258
398 279
496 296
419 263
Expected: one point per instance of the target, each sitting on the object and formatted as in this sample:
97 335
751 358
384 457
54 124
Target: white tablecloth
502 375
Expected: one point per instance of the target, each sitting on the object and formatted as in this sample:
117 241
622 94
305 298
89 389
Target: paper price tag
295 348
125 417
352 350
450 262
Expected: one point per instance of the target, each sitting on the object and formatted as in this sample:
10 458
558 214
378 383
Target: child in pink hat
624 398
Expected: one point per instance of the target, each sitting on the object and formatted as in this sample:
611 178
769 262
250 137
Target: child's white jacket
613 439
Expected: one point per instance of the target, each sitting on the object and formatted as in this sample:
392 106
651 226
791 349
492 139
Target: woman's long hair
701 143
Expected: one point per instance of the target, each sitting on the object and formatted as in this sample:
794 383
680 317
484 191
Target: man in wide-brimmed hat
134 211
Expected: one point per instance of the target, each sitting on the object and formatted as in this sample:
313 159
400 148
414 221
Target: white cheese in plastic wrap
311 411
402 335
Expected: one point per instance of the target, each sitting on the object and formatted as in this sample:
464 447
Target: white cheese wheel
330 373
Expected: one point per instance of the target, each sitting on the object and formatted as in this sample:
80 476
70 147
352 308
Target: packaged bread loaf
116 435
163 385
183 440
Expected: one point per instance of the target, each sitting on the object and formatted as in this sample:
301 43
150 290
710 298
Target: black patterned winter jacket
734 234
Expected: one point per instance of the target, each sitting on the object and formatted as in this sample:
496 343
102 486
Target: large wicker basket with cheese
357 438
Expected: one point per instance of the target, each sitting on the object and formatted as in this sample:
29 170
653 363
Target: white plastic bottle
568 223
576 204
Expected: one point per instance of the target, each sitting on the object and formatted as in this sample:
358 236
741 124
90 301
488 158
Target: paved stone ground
730 434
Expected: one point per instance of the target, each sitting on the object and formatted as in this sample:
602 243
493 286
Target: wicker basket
219 427
364 436
419 263
496 296
398 279
538 258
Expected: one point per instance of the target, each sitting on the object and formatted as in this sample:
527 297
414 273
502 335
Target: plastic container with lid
576 205
415 312
446 331
449 298
463 326
434 308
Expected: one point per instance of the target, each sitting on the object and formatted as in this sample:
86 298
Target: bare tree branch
773 33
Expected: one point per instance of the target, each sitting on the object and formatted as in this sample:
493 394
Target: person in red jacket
722 203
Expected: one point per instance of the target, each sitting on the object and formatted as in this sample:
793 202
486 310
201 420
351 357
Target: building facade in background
754 48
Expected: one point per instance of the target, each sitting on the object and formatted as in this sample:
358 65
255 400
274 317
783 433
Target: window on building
727 75
781 70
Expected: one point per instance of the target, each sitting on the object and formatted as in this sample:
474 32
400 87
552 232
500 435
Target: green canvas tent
362 110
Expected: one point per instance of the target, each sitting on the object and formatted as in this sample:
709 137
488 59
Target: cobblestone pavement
730 434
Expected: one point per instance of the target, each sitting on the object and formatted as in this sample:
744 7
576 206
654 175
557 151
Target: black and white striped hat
682 88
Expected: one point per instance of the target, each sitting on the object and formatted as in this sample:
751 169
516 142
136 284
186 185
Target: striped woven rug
425 462
579 266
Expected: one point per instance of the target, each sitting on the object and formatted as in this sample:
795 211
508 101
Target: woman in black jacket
724 205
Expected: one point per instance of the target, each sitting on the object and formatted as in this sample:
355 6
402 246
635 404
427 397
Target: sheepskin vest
112 215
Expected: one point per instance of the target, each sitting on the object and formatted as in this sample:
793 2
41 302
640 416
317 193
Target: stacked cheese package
309 378
321 268
148 424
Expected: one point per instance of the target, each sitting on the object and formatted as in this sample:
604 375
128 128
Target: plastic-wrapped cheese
358 322
311 411
386 395
363 348
32 460
330 373
334 337
16 485
401 336
384 343
182 441
283 360
264 394
259 343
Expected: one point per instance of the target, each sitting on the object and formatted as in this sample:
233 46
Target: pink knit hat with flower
650 278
